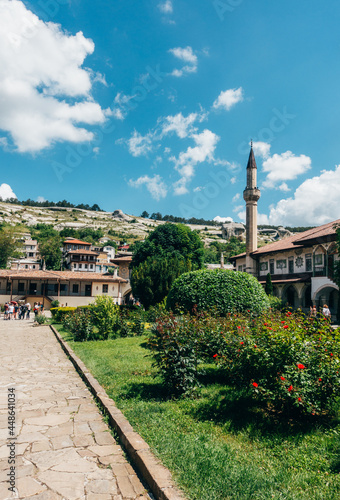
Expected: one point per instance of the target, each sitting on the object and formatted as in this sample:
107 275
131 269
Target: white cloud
140 145
198 189
236 197
166 7
155 185
41 67
284 167
186 55
261 149
284 187
223 219
229 98
233 180
204 150
182 126
261 218
41 199
316 201
6 192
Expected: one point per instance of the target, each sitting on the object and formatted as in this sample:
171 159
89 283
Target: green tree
167 252
269 285
9 246
50 252
145 214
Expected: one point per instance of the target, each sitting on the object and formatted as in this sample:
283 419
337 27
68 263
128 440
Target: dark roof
251 160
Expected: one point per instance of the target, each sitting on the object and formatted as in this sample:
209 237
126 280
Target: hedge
226 291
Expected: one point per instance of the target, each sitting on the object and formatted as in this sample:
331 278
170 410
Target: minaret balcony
251 194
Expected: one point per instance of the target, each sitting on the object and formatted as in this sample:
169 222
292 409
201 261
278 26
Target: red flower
286 326
215 356
255 345
299 399
282 378
241 343
255 384
301 366
320 379
265 324
238 327
269 328
283 322
248 310
290 388
331 354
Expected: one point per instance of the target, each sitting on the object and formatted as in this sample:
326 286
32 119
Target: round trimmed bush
225 290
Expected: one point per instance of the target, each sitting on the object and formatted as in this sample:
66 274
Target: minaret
251 196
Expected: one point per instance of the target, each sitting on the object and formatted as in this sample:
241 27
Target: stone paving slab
63 448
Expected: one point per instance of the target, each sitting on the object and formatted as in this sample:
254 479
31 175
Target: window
240 268
318 259
91 266
75 288
26 266
281 264
291 266
21 287
63 288
271 266
86 266
264 266
33 266
309 266
30 254
80 266
105 288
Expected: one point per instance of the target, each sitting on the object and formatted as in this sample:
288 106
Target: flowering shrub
284 359
293 360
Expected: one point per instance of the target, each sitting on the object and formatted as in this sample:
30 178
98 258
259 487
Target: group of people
12 310
325 311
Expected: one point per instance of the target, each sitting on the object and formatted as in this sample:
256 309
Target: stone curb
156 476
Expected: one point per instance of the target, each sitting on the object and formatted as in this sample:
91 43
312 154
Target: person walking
28 310
6 310
10 311
326 312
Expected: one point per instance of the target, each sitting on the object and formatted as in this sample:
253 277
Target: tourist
16 308
41 307
326 312
6 311
10 311
28 310
313 312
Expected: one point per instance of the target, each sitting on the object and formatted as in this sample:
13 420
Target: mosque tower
251 195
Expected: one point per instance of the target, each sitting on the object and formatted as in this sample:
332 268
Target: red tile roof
62 275
76 242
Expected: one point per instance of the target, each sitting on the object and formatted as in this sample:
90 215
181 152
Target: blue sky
151 105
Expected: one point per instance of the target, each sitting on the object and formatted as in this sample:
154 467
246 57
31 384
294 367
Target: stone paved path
64 450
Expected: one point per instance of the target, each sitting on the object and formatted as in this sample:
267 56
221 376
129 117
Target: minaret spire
251 195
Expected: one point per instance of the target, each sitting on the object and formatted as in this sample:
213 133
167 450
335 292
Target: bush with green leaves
79 324
58 313
226 291
105 314
286 360
41 319
55 303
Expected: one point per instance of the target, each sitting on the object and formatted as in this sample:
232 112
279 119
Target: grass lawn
220 445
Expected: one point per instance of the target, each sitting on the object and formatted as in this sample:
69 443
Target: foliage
55 303
175 355
9 246
87 234
269 285
59 312
50 253
46 203
234 246
287 360
41 319
225 290
275 303
79 324
152 279
104 314
166 253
